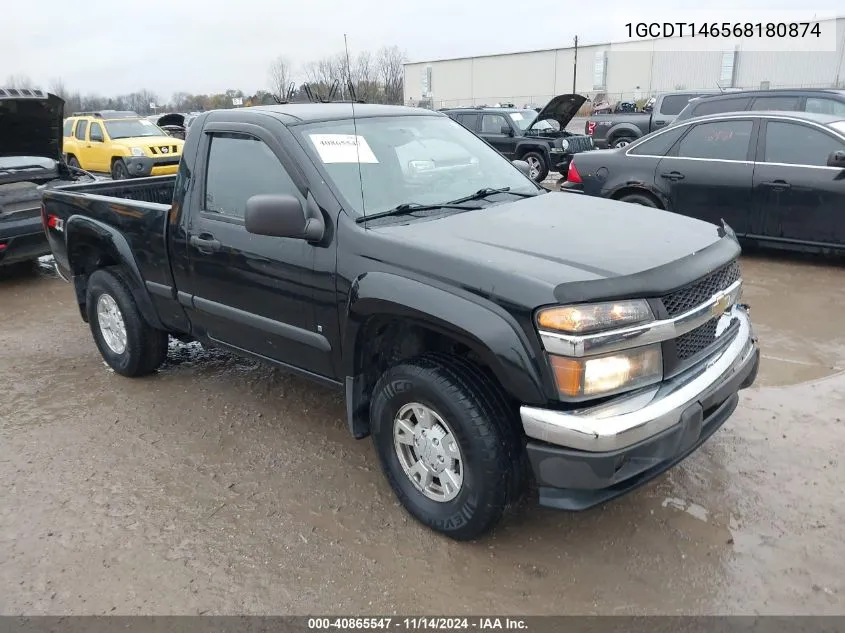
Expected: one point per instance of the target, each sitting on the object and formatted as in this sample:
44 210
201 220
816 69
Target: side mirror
523 166
506 130
836 159
282 215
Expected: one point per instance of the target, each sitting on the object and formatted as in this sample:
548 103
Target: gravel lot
224 486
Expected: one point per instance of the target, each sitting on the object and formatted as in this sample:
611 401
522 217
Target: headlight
605 375
583 319
137 151
564 144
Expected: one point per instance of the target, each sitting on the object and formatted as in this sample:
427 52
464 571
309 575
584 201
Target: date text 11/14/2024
418 623
778 30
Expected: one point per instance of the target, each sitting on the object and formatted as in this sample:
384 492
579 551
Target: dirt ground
224 486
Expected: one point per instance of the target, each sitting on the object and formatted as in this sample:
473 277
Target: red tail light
591 127
572 175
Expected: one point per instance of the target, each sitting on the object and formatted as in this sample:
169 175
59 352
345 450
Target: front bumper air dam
142 166
588 457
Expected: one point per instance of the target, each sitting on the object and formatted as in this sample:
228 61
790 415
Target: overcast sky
202 46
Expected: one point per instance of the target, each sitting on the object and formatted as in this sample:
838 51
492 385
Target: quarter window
469 121
67 129
723 140
660 143
239 167
81 128
796 144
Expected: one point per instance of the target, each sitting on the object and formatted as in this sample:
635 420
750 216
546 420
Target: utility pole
575 65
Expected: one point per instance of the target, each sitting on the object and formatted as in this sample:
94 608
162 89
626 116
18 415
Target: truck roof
309 112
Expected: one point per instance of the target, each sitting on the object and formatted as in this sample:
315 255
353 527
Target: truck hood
30 123
560 247
561 109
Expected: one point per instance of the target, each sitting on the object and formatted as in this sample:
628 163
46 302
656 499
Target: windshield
132 128
407 160
26 162
524 118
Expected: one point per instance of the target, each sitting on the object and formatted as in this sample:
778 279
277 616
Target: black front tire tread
146 345
464 383
119 170
641 199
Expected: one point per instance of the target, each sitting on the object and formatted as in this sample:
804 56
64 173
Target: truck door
249 291
96 151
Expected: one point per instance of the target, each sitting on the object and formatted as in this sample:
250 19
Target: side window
821 105
67 129
659 144
239 167
796 144
718 106
96 133
673 104
775 103
492 123
469 121
81 128
724 140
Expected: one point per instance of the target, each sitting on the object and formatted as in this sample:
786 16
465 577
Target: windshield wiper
487 191
412 207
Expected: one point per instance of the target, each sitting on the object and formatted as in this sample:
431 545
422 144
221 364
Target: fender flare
524 147
628 129
109 241
484 327
642 185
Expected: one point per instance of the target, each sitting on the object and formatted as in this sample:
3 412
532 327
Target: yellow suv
121 144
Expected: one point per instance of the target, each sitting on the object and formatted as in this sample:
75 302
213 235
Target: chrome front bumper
630 419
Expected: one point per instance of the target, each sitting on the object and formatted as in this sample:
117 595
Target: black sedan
776 178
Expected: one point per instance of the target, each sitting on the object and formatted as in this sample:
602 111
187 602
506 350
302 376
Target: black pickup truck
30 162
481 327
617 130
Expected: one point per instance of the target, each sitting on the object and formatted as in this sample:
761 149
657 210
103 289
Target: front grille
700 291
694 341
165 163
164 149
579 144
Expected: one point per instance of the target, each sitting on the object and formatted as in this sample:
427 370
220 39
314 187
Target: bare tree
281 76
57 87
391 66
19 81
365 78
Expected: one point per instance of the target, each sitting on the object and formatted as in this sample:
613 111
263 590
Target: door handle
659 123
777 185
672 175
204 243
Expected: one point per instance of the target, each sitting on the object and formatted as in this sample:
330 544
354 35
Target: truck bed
138 210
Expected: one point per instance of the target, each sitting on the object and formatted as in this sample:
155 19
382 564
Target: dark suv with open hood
30 162
539 138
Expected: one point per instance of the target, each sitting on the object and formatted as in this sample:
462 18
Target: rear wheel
127 343
537 167
447 444
622 141
640 198
119 170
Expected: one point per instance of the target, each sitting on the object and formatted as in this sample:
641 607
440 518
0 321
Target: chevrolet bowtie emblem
721 305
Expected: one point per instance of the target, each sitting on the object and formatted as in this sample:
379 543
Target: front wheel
127 343
641 199
119 170
537 167
447 444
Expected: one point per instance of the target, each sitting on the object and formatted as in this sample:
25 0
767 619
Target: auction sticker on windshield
145 122
516 116
343 148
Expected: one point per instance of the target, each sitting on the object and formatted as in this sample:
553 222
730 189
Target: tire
471 407
144 347
72 161
642 199
119 170
622 141
538 166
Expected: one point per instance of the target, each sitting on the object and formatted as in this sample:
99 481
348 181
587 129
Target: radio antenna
354 125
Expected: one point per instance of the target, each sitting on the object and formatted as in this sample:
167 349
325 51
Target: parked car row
776 178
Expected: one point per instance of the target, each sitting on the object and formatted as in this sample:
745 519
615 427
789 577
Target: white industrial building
622 71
